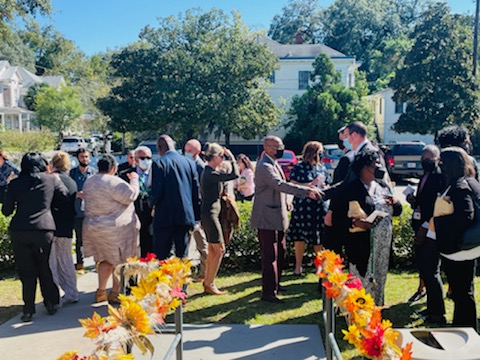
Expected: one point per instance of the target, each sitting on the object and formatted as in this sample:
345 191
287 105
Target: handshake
314 193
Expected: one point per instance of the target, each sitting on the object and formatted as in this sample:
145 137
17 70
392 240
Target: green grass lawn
242 304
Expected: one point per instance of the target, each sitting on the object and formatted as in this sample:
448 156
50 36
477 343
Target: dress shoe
27 317
272 299
435 319
213 290
51 307
417 296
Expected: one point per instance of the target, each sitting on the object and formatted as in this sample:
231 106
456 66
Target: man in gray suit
269 214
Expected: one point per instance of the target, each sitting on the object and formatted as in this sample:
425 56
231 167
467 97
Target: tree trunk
227 138
123 143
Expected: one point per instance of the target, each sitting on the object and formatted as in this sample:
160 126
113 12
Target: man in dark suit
269 214
127 166
344 163
175 198
192 150
426 251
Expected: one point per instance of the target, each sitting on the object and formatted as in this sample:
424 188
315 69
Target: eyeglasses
144 157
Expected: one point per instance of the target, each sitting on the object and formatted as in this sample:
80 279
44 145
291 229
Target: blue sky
97 25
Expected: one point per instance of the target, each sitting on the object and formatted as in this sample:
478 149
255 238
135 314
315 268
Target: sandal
101 296
113 298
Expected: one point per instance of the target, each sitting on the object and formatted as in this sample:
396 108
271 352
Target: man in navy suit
175 198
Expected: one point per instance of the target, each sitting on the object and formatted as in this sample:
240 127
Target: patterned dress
306 223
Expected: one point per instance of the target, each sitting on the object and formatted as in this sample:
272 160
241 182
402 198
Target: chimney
298 38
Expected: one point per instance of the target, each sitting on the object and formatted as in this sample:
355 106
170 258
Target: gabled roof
26 78
296 51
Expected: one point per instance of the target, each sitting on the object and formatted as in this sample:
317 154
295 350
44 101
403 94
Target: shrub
27 141
403 238
243 252
7 261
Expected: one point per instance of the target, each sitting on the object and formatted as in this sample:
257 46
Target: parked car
404 159
70 144
331 156
287 162
94 146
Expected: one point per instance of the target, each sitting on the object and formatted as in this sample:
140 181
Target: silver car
70 144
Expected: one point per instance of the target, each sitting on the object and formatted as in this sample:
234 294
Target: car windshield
334 152
70 140
407 150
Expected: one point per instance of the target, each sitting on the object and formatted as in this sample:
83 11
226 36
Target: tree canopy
57 109
192 73
24 9
436 79
326 106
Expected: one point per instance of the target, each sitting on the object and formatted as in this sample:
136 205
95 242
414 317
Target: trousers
273 250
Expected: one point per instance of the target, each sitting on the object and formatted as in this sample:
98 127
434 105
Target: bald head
271 144
164 144
193 147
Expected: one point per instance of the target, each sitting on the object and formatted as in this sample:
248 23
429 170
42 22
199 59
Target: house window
380 106
399 108
350 80
303 79
271 78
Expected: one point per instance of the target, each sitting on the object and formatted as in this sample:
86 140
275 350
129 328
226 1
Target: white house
292 77
386 114
14 83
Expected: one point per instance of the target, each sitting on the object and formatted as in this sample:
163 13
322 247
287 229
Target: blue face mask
347 144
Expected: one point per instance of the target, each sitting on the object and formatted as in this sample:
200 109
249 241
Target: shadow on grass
8 312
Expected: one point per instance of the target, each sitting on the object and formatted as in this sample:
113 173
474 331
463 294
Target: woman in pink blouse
245 184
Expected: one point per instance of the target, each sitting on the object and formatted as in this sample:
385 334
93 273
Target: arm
217 176
9 202
196 194
341 169
273 180
126 193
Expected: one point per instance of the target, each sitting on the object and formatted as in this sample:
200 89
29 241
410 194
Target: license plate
411 165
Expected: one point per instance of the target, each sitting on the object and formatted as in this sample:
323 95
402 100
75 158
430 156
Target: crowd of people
145 206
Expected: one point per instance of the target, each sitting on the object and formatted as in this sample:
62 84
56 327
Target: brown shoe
113 298
101 296
213 290
79 268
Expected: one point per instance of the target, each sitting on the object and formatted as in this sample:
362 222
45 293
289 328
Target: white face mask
144 164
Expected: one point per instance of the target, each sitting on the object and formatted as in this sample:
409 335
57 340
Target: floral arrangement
373 337
158 291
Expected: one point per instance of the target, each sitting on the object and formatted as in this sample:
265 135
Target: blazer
175 191
64 214
32 197
449 229
270 203
343 166
425 199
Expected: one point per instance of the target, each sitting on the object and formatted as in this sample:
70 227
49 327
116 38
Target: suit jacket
425 199
33 197
270 204
175 191
341 170
64 215
449 229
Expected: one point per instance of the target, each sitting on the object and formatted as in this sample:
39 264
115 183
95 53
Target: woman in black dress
306 225
211 186
31 229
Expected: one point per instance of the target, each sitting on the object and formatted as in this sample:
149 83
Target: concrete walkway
47 337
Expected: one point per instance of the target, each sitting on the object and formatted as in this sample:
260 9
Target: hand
328 218
411 199
315 181
420 236
289 206
11 177
228 153
361 224
314 193
390 199
132 175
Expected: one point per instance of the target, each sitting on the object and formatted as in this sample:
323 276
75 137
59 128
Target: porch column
20 123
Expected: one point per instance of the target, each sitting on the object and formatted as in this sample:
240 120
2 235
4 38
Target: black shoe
417 296
27 317
272 299
435 319
51 308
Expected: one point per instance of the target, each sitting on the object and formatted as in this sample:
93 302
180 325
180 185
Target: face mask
145 164
83 164
379 173
347 144
428 164
188 155
279 153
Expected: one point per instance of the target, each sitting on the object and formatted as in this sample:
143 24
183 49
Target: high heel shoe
101 296
113 298
213 290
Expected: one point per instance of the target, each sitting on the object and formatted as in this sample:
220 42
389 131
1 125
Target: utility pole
475 40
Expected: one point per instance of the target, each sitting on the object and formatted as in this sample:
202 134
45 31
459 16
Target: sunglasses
144 157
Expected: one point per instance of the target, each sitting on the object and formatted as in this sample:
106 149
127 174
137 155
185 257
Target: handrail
331 345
